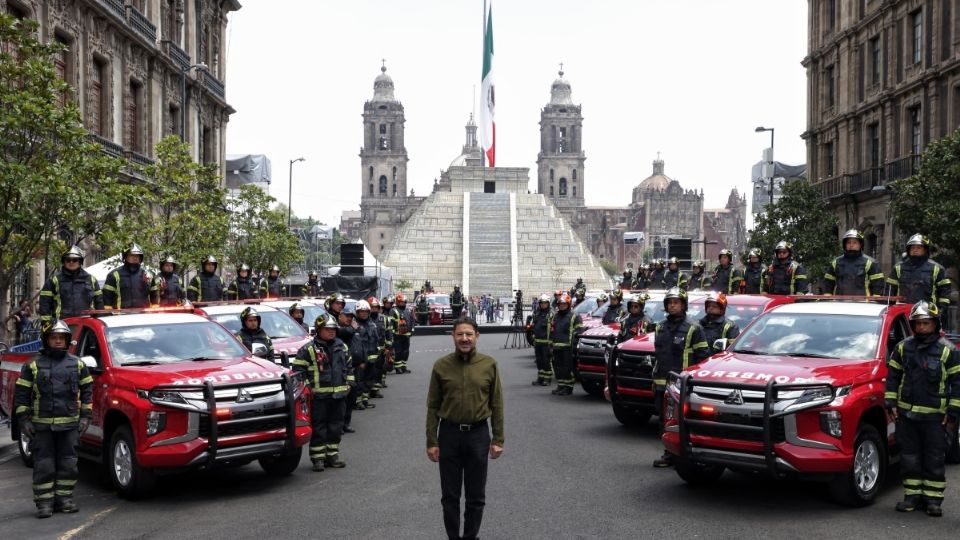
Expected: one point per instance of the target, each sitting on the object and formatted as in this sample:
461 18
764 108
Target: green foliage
929 201
803 218
403 285
610 268
53 180
259 235
181 210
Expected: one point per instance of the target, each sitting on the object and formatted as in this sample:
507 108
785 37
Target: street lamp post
761 129
183 96
290 188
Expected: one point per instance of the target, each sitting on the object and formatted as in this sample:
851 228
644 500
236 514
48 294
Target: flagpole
483 37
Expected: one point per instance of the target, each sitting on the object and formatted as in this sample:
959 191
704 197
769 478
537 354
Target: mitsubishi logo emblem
733 398
243 396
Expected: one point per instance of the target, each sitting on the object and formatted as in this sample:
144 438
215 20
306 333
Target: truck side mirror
90 362
721 344
260 350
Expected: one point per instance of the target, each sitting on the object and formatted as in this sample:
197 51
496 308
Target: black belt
465 427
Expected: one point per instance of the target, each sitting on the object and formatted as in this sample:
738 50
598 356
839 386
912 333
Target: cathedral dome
560 93
383 86
657 180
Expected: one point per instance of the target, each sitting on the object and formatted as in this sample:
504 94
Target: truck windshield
588 304
813 335
168 343
275 323
439 299
742 315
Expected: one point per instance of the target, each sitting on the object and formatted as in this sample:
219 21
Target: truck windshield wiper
196 359
748 351
808 355
141 363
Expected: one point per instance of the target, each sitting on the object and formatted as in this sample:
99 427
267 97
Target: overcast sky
690 79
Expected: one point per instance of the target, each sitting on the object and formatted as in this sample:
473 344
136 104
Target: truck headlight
813 397
830 423
167 396
156 422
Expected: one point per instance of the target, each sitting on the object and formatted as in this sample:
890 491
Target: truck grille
721 430
591 351
634 370
258 421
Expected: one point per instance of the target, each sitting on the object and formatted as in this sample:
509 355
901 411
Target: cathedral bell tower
560 161
383 165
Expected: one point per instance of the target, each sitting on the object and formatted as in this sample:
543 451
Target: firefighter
423 309
642 281
69 291
854 273
755 274
655 276
54 405
272 286
325 365
627 281
715 323
923 397
785 275
376 317
699 280
456 302
579 296
674 277
917 277
563 325
615 311
636 321
336 306
389 354
130 286
312 286
577 286
296 311
168 284
368 338
540 323
250 331
243 287
556 298
679 343
726 277
206 286
402 328
602 299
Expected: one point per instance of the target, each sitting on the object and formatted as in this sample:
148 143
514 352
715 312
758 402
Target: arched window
551 174
574 175
383 184
371 188
551 191
563 187
394 190
371 173
394 175
574 191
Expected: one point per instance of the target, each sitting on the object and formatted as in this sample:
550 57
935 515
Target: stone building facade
726 227
883 82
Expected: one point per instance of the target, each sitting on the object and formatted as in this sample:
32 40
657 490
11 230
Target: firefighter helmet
718 298
755 252
564 299
248 312
725 251
55 327
918 240
675 292
699 264
73 253
312 274
325 320
295 307
210 259
617 293
373 301
400 299
673 260
134 249
332 299
361 305
785 246
854 234
926 310
640 299
275 268
545 298
243 267
171 260
602 298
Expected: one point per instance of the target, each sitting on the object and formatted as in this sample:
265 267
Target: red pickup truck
175 391
800 393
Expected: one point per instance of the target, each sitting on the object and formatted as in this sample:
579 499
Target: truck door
88 345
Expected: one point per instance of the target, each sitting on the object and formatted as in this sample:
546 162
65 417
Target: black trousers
455 311
544 367
55 470
401 351
351 400
923 449
326 419
563 366
463 467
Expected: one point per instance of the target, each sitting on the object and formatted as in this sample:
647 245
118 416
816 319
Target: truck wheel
282 465
953 451
697 474
593 388
127 476
25 454
629 417
529 339
859 486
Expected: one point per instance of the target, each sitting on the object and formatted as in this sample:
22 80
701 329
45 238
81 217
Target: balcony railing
868 179
141 24
114 6
139 159
109 147
214 86
177 55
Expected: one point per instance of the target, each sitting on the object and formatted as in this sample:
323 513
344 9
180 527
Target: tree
56 186
929 201
610 268
800 217
404 285
258 234
182 211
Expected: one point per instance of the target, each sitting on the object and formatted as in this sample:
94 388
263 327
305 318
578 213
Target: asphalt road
569 470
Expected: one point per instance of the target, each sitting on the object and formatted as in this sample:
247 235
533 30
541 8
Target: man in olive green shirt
464 392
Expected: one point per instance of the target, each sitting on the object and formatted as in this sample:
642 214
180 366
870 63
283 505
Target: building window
371 189
574 175
98 97
551 175
64 64
394 175
384 142
563 187
574 192
916 18
551 191
206 146
383 184
829 79
381 236
831 14
173 119
873 140
916 135
828 159
394 190
562 141
134 111
875 58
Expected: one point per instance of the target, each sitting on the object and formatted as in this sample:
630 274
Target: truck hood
290 345
234 370
760 369
643 342
602 331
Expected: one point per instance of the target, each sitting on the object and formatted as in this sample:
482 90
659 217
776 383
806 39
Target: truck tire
127 476
860 486
630 417
26 455
593 388
697 474
283 464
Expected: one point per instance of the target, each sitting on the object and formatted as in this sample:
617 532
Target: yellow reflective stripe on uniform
21 409
63 482
934 484
46 293
699 345
934 494
954 403
23 382
86 380
889 395
56 420
920 409
299 362
332 389
351 378
660 382
908 491
954 370
894 364
537 340
912 482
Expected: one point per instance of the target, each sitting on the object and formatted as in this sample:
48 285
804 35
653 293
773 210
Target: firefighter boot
666 460
375 394
909 503
318 465
933 509
67 506
333 461
538 382
44 509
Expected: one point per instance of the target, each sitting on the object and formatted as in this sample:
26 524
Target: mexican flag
488 128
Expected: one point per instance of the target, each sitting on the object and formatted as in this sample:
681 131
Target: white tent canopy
103 268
